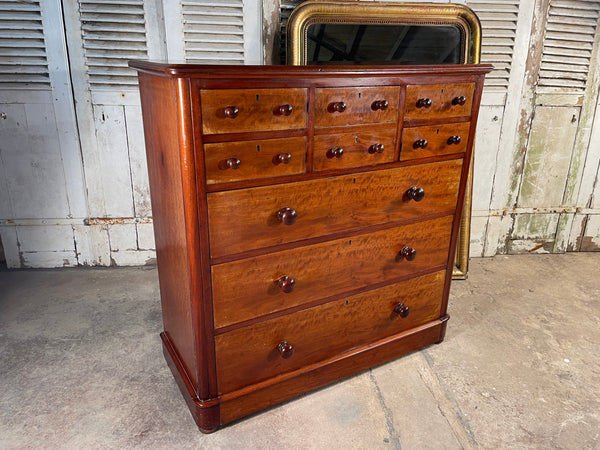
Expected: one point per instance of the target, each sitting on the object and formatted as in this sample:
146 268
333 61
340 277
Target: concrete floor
81 367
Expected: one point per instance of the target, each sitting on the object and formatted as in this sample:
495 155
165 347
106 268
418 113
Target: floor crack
389 419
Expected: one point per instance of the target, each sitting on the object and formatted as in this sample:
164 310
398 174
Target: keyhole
257 97
438 131
356 139
359 94
258 148
442 91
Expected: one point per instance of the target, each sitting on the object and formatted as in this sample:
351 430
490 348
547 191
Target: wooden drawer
446 101
235 161
421 142
356 105
248 219
337 151
249 288
250 354
241 110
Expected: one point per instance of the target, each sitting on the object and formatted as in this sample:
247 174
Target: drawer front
337 151
248 219
421 142
355 106
235 161
252 287
250 354
438 100
242 110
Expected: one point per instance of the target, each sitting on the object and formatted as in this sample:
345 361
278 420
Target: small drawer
247 219
434 101
356 105
243 110
422 142
337 151
257 352
236 161
252 287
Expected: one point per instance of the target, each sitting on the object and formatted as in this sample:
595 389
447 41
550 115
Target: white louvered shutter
23 62
568 45
498 29
113 32
213 31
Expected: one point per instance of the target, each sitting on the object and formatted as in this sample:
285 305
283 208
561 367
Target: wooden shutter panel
23 62
499 26
568 43
113 33
213 31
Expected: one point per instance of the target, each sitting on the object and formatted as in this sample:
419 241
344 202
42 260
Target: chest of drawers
305 220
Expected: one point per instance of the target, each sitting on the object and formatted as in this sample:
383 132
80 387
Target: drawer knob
287 216
460 100
454 140
231 112
379 105
420 143
282 158
286 284
233 163
284 110
424 103
335 152
376 148
402 310
408 253
336 107
285 349
415 193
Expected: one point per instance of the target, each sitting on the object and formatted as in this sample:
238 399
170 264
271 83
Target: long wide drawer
253 287
259 217
257 352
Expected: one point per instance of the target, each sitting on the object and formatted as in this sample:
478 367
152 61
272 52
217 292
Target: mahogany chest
305 220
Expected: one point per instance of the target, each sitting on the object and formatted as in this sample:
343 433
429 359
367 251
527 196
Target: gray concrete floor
81 367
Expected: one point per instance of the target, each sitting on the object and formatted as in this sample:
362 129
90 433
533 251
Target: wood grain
441 96
246 219
248 355
258 110
248 288
358 103
258 159
437 140
356 149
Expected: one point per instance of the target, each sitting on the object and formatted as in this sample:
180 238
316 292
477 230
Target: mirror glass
339 43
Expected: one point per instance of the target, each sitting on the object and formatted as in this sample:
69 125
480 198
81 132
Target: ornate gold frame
357 12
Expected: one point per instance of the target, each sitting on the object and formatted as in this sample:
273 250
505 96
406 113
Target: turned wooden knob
408 253
336 107
454 140
335 152
284 110
286 284
285 349
415 193
460 100
287 216
424 103
420 143
282 158
379 105
376 148
231 112
402 310
233 163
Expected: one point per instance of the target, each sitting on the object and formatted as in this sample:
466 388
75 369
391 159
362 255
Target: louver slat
499 25
213 31
23 62
113 32
568 46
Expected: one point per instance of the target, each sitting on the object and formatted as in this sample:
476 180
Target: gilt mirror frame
392 13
